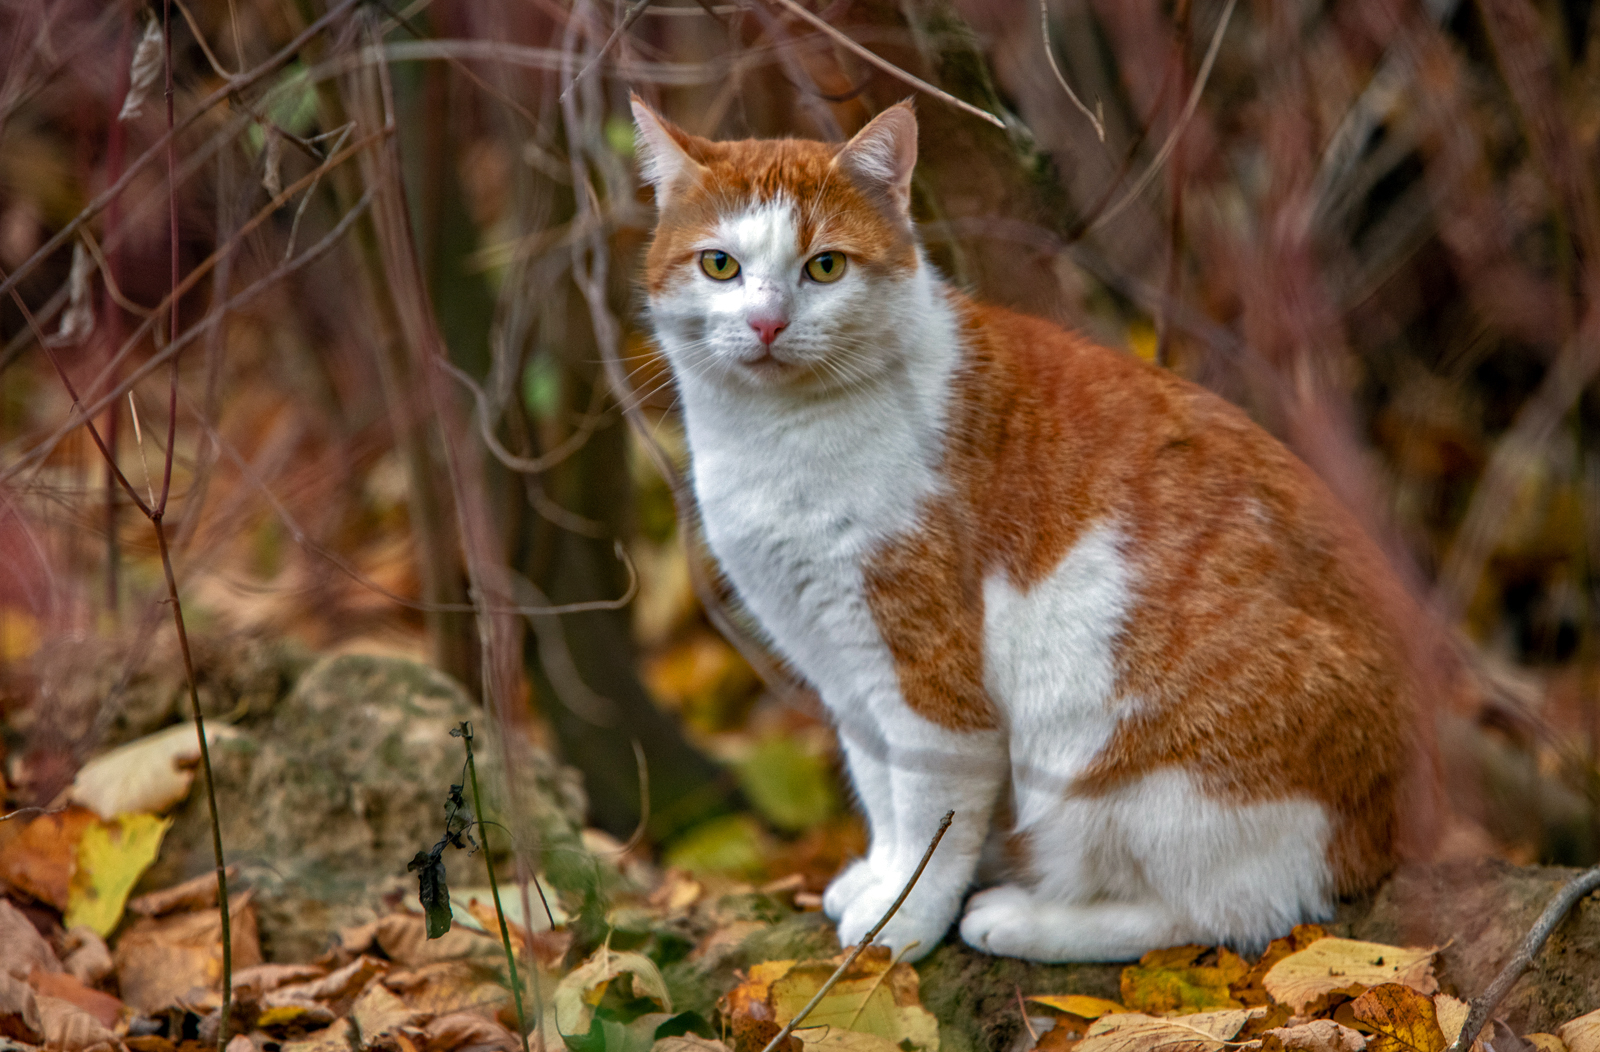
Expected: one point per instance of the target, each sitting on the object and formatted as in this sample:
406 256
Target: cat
1091 608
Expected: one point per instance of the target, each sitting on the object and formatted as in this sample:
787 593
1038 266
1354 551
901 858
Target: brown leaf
39 857
177 961
403 938
87 959
338 988
1175 982
448 986
1319 1035
251 983
26 949
105 1008
1346 965
1402 1020
378 1012
19 1011
460 1031
197 894
1582 1034
688 1043
1545 1042
294 1019
68 1028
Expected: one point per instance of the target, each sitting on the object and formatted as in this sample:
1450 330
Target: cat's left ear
663 161
883 154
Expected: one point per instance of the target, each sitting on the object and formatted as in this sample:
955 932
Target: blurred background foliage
418 412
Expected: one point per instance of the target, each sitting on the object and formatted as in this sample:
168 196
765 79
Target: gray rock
325 801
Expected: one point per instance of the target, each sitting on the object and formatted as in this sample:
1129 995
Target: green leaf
733 844
791 786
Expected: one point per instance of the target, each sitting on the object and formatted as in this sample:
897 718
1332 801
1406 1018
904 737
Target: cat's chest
794 509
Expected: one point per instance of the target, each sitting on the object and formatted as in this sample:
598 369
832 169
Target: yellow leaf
1545 1042
1172 982
1345 965
1078 1004
1402 1020
876 996
1137 1032
112 856
1582 1034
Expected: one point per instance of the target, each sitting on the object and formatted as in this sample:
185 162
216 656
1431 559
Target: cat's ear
883 154
663 161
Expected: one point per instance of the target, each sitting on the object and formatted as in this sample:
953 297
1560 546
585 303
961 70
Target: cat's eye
825 267
719 265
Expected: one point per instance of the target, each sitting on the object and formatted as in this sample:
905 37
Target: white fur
801 477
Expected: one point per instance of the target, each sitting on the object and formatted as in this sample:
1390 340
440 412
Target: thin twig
1177 129
1050 53
889 67
1553 915
616 34
838 973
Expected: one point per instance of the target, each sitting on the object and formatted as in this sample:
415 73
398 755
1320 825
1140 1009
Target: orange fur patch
1256 654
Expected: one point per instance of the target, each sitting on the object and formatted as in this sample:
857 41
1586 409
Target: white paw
916 928
1003 921
856 879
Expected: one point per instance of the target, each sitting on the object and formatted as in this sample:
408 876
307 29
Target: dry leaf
447 987
403 938
467 1030
1347 966
1452 1015
251 983
19 1011
197 894
147 65
112 856
87 959
1402 1020
39 857
338 988
1083 1007
1582 1034
1137 1032
688 1043
578 993
1319 1035
1249 990
340 1037
1172 982
25 947
150 774
294 1019
1546 1042
876 998
378 1012
177 960
105 1008
68 1028
77 321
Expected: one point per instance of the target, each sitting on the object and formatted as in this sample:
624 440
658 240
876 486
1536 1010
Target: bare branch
1050 53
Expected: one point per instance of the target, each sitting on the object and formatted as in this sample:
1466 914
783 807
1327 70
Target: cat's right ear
663 161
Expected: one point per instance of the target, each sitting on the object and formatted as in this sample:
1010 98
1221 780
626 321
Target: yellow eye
826 267
719 265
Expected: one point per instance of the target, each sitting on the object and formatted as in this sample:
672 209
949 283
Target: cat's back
1256 645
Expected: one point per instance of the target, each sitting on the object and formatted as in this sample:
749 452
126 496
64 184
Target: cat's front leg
930 771
866 756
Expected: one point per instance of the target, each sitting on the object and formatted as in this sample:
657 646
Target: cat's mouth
767 364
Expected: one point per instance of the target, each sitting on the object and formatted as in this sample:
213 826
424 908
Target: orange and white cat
1091 608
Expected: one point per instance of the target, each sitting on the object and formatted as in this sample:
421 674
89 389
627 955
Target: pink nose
769 326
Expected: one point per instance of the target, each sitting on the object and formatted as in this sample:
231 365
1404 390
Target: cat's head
781 263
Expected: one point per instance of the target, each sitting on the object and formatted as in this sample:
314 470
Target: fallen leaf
447 987
1319 1035
150 774
19 1011
378 1012
39 857
177 960
790 785
68 1028
1248 990
240 1043
1347 966
1582 1034
1083 1007
1452 1014
463 1030
87 958
1402 1020
294 1019
339 1037
577 994
403 938
25 947
338 988
197 894
112 856
250 983
877 996
1546 1042
1173 982
1137 1032
105 1008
